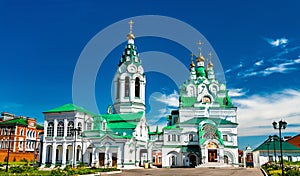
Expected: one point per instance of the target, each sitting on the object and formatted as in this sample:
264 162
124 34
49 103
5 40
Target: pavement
190 172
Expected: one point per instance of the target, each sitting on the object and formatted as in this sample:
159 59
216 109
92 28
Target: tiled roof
16 121
123 117
285 146
69 108
121 125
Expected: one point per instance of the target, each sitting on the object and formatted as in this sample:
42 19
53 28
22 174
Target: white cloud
257 112
259 63
236 92
161 106
170 100
277 42
234 68
283 67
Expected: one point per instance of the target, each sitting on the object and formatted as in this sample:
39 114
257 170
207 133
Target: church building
202 130
116 139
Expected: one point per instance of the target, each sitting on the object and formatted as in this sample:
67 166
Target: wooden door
101 159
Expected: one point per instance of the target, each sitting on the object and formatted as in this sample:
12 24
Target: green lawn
290 168
21 170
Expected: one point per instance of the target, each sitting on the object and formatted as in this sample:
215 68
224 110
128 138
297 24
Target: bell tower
129 80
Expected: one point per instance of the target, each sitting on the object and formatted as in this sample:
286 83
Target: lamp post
75 131
12 129
268 144
282 125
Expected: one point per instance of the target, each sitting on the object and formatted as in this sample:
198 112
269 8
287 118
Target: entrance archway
226 159
193 160
212 155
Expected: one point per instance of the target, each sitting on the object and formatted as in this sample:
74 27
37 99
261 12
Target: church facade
202 130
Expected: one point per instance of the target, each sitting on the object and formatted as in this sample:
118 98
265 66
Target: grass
290 168
25 170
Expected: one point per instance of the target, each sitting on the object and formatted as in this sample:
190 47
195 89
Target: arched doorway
226 159
193 160
173 160
212 148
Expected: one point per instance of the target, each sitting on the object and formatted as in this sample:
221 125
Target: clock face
132 68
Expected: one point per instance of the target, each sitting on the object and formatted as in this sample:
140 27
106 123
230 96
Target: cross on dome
130 36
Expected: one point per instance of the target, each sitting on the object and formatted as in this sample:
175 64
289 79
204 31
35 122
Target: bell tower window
127 87
137 87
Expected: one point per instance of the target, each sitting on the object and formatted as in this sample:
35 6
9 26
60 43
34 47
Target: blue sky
257 43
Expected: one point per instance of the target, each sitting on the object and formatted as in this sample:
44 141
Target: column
122 87
44 154
120 156
74 153
53 155
64 151
55 128
65 127
149 153
106 156
143 91
131 89
94 158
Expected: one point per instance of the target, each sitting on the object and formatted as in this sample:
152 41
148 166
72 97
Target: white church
202 131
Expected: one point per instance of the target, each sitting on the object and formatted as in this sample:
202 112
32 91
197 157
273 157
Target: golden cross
130 25
200 49
192 56
200 43
210 55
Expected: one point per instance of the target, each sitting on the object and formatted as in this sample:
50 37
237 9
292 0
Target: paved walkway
193 172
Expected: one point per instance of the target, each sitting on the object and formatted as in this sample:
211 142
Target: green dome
201 71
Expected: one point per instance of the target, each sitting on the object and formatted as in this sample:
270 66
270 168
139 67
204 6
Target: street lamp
282 125
12 130
75 131
268 144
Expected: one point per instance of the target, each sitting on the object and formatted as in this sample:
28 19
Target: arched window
60 129
137 87
50 129
79 126
191 138
127 87
70 128
206 99
21 132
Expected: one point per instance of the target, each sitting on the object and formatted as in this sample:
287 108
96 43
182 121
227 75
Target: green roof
188 101
40 127
17 121
69 108
100 134
216 120
173 127
121 125
270 145
123 117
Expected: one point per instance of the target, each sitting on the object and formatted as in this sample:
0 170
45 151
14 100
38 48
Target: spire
130 36
200 58
192 65
210 64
